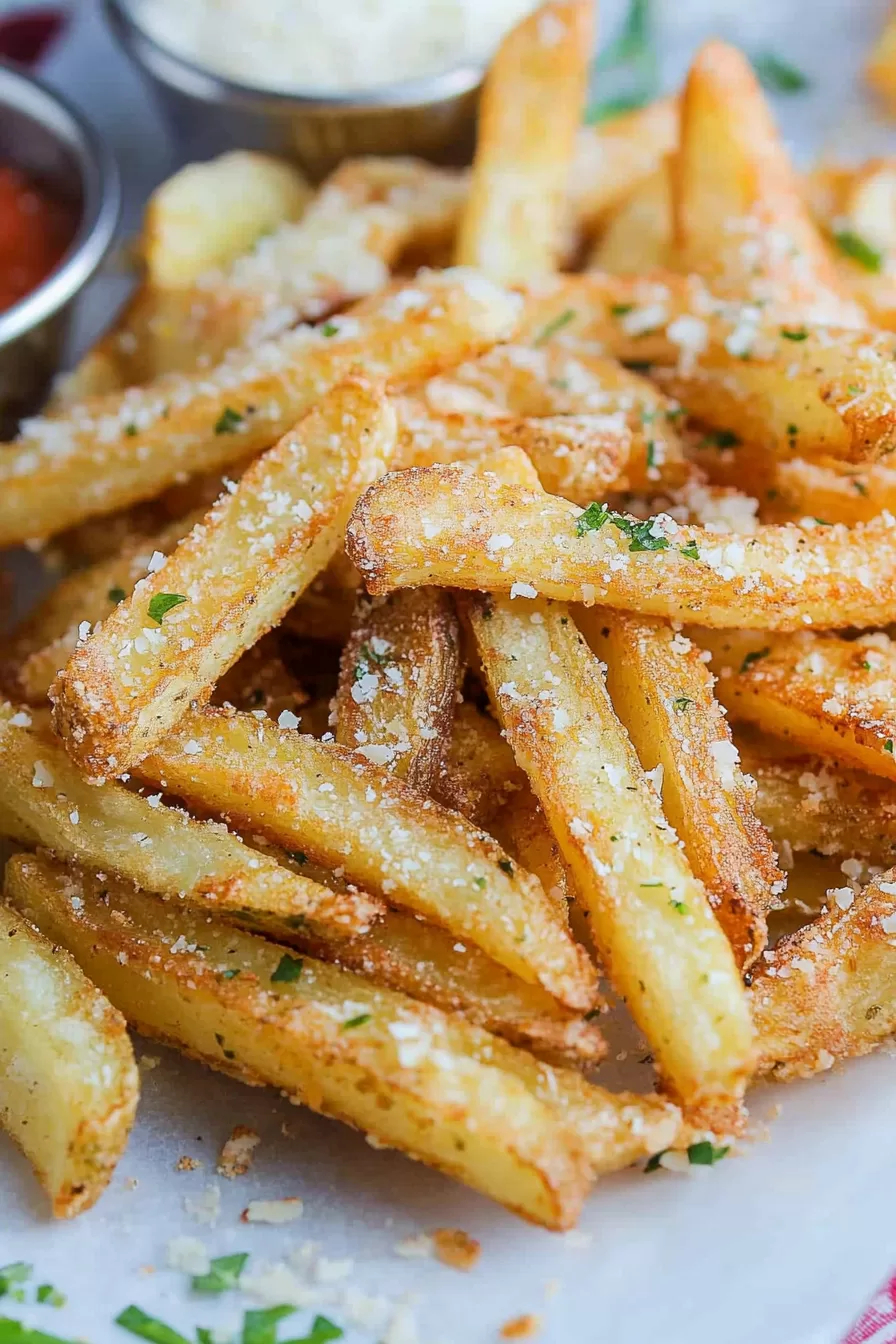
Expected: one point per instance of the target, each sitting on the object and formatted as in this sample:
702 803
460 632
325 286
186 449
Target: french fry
403 952
478 773
326 608
577 456
650 918
613 1129
814 803
740 218
612 159
68 1081
45 640
333 806
262 681
637 237
820 692
528 118
398 683
796 389
233 578
828 992
880 69
128 446
411 1076
464 528
663 693
559 380
45 801
855 209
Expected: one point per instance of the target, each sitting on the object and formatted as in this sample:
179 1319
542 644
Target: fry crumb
456 1248
187 1164
272 1210
238 1152
521 1327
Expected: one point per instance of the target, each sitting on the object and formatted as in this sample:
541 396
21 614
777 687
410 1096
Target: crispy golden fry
554 379
68 1081
740 218
341 811
612 159
262 681
820 692
828 992
128 446
398 683
650 918
637 238
233 578
577 456
802 390
45 640
45 801
478 773
880 69
856 208
614 1129
528 118
663 693
815 803
404 1072
404 953
460 527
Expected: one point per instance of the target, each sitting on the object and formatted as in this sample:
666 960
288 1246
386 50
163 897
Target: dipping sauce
328 46
35 232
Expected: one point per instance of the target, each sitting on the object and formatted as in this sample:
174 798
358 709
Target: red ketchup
35 231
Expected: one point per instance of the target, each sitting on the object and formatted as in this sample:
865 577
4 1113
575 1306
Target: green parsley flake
16 1332
651 453
704 1153
137 1322
228 422
322 1331
12 1276
752 658
329 329
860 487
260 1327
855 247
50 1296
794 333
288 969
161 604
721 438
131 430
555 325
888 745
681 703
678 906
356 1021
480 883
592 520
223 1274
609 108
620 309
778 76
690 550
640 533
116 595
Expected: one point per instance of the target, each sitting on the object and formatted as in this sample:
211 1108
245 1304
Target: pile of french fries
433 643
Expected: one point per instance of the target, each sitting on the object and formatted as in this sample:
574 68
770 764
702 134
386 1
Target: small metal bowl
433 117
48 140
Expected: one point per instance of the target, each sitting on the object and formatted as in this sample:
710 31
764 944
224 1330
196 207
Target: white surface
781 1245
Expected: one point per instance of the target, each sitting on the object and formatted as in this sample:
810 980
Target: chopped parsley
329 329
639 531
13 1276
16 1332
721 438
681 703
752 658
653 1162
356 1021
653 884
690 550
678 906
137 1322
855 247
888 745
223 1274
866 665
506 867
609 108
778 76
620 309
556 324
794 333
50 1296
592 520
161 604
366 656
228 422
480 883
131 430
288 969
260 1327
705 1153
116 595
860 487
322 1331
651 453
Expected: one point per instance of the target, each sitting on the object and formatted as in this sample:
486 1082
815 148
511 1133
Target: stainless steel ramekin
431 117
41 134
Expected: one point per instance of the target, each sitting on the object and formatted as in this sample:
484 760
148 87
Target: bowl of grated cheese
317 80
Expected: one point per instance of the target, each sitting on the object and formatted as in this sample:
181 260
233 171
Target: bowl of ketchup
59 202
